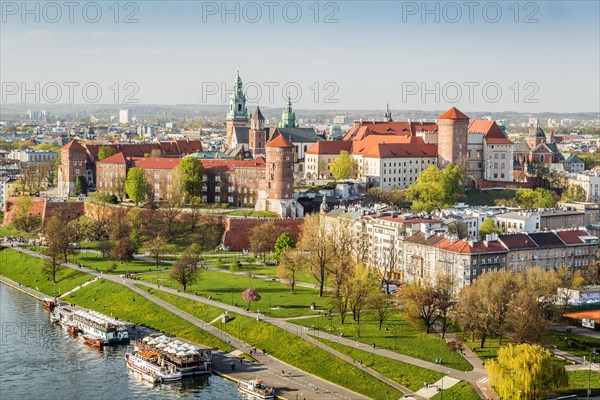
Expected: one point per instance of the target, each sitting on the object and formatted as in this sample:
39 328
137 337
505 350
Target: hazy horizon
539 57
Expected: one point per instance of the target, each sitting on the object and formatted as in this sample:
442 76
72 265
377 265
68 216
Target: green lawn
460 391
405 374
578 383
253 214
28 271
95 261
571 343
113 299
399 336
476 197
228 288
491 346
289 348
9 230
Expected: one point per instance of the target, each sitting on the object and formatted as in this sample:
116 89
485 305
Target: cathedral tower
288 118
257 135
237 115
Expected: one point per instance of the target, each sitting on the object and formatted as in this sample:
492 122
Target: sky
478 56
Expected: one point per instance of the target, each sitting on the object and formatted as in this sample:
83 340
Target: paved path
576 330
475 377
269 368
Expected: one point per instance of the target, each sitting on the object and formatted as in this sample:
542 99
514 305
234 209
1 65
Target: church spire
237 101
288 118
387 116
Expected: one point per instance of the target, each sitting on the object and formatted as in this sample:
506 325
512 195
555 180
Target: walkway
474 377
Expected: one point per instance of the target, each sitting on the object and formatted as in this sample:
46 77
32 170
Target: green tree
190 171
158 248
437 188
525 372
574 193
284 242
185 271
488 226
80 186
344 167
106 151
24 219
538 198
136 185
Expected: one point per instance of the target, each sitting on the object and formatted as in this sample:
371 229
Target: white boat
152 367
93 324
256 389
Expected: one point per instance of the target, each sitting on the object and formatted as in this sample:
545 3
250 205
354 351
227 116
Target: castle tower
288 118
276 191
452 137
257 135
73 159
237 115
387 116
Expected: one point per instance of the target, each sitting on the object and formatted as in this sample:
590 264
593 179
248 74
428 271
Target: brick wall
237 230
42 208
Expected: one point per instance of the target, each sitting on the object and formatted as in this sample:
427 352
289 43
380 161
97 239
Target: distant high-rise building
340 119
124 116
33 115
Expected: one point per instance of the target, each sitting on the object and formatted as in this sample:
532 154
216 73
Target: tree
185 270
290 263
315 244
574 193
24 219
525 372
59 236
344 167
52 265
104 247
250 295
381 305
389 264
262 238
284 241
80 186
488 226
436 188
361 285
157 248
106 151
525 318
570 282
136 185
538 198
428 300
190 172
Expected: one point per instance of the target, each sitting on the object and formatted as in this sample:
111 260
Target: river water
39 360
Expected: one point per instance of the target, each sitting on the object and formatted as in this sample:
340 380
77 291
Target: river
39 360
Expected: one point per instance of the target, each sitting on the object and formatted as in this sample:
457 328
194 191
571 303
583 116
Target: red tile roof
155 162
392 147
115 158
329 147
490 130
572 237
169 149
226 165
419 238
279 141
363 129
73 145
466 247
453 113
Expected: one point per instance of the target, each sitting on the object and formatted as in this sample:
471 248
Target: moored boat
256 388
50 303
92 324
152 367
93 341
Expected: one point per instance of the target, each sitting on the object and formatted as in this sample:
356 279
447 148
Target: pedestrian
233 367
373 345
282 373
241 360
264 352
290 374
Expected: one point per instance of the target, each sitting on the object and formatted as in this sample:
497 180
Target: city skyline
413 65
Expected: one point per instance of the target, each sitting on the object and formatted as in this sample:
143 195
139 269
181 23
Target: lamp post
231 294
589 390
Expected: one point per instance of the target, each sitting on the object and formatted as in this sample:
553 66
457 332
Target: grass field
113 299
95 261
476 197
28 271
228 288
399 336
8 230
578 383
460 391
405 374
290 349
571 343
